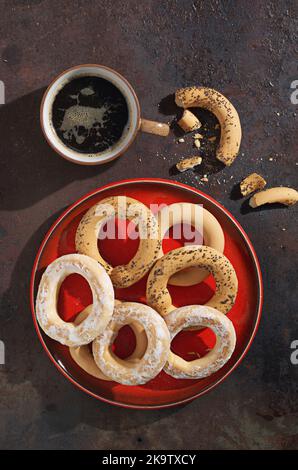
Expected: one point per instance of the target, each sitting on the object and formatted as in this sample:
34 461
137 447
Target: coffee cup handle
153 127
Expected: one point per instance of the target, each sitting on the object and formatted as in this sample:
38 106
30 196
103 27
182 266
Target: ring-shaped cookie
83 356
140 371
158 296
121 207
202 220
218 104
46 302
200 316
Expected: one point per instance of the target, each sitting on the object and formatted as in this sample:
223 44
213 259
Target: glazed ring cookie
218 104
199 218
83 356
103 300
140 371
121 207
158 296
198 316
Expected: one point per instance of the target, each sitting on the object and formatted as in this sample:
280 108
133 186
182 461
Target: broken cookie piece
252 183
283 195
189 122
188 163
222 108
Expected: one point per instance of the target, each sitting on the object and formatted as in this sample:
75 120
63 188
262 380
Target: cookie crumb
198 136
188 163
205 179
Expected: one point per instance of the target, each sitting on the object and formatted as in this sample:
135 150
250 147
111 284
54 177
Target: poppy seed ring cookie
83 356
121 207
200 316
102 307
158 296
133 371
204 222
222 108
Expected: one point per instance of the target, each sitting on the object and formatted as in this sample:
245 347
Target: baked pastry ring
283 195
121 207
83 356
133 371
158 296
199 218
103 300
218 104
199 316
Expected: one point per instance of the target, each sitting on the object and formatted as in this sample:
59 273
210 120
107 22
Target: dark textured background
247 50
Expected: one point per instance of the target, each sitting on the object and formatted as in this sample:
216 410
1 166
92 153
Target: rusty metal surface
247 50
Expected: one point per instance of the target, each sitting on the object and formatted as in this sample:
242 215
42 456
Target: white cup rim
133 122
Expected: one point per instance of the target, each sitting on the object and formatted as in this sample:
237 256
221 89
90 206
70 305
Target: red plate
163 391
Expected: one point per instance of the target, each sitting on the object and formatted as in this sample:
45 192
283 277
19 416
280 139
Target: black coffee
89 114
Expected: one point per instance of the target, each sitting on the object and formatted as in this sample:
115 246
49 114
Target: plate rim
122 182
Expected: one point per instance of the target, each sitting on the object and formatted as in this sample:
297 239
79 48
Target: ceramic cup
134 124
